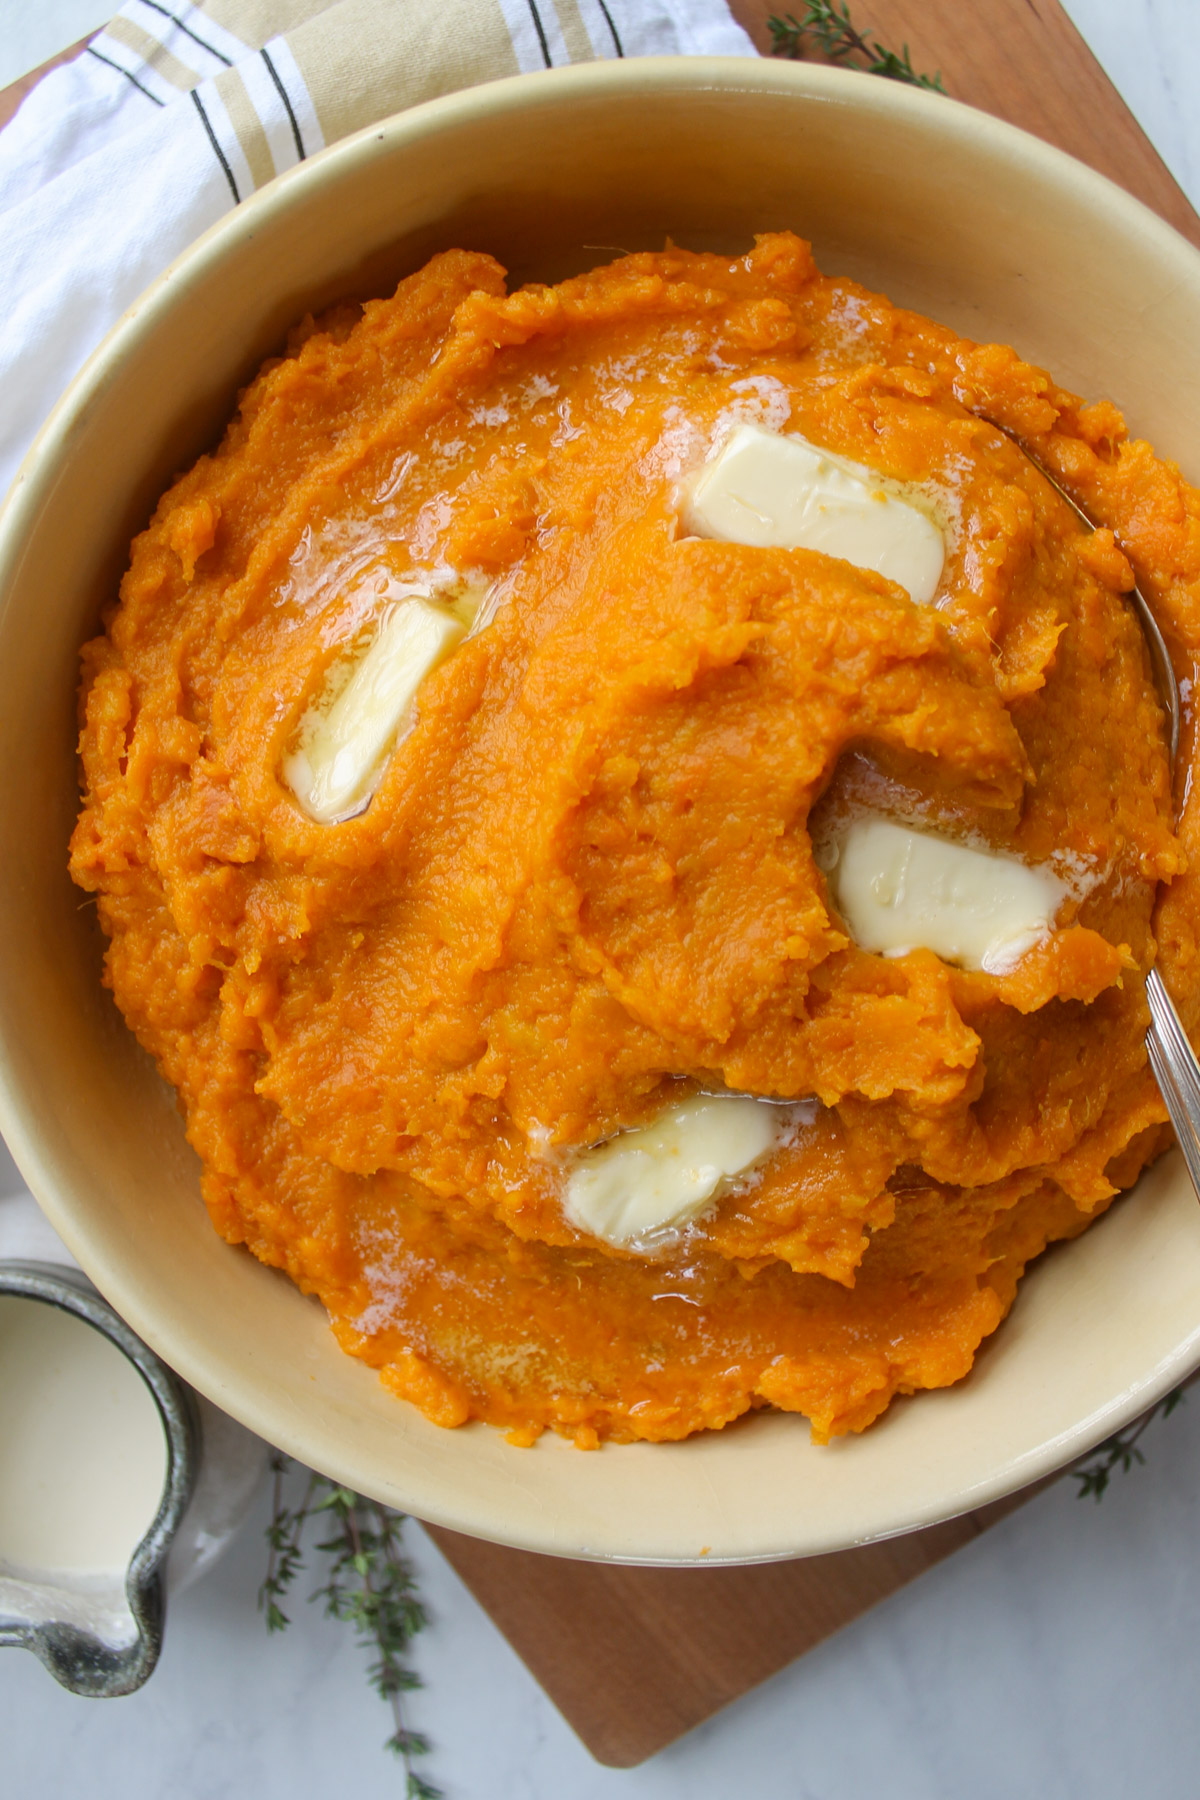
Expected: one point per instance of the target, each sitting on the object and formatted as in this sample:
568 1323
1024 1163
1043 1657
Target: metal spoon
1172 1058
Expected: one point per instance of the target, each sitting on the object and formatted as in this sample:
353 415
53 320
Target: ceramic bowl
943 208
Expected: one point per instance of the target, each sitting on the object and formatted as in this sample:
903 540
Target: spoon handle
1176 1071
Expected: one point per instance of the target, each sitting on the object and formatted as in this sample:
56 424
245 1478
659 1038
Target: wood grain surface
633 1658
1024 61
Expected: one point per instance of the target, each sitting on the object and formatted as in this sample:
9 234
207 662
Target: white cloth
118 160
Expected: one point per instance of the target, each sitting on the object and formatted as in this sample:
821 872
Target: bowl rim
719 74
806 83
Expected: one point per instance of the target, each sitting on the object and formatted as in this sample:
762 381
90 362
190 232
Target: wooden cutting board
633 1658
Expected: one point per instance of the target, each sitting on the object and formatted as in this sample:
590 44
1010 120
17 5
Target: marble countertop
1054 1657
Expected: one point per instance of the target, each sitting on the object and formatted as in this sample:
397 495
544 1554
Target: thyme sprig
1121 1451
369 1584
828 28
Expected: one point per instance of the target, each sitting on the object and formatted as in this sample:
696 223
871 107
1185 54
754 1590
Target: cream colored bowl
945 210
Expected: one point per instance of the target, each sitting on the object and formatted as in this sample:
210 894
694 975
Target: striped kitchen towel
118 160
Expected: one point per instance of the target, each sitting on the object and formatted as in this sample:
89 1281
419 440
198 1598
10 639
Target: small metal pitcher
56 1618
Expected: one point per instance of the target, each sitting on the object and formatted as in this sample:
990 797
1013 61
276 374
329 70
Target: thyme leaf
828 28
1121 1451
368 1584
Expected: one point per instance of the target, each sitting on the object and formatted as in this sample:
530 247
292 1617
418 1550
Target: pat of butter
901 890
343 745
660 1177
785 493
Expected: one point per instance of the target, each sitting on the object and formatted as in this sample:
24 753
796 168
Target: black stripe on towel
608 20
188 32
109 63
540 29
217 150
273 72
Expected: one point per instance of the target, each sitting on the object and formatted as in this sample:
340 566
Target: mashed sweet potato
587 882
